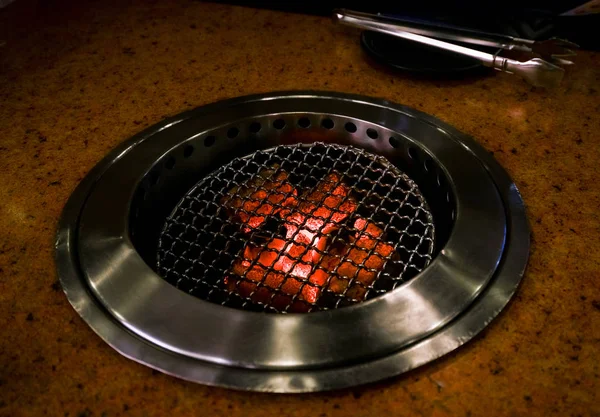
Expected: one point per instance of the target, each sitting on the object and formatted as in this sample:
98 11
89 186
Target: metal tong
536 71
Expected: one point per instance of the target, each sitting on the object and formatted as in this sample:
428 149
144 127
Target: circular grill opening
298 228
161 190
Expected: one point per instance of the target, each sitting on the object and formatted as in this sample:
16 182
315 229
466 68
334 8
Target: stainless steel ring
147 319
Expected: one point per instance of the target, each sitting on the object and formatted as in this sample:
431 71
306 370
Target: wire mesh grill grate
298 228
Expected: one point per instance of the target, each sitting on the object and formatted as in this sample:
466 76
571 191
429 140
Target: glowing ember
292 273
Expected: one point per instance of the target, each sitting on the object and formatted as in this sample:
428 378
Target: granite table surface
77 78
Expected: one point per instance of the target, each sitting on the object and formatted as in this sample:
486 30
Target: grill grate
296 229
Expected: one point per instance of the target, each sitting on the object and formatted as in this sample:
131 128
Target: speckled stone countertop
75 80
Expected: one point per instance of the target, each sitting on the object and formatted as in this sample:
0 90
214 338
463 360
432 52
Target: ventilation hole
440 180
448 196
453 215
412 152
327 123
154 176
395 142
350 127
188 151
170 162
209 141
255 127
304 122
428 164
279 124
372 133
233 132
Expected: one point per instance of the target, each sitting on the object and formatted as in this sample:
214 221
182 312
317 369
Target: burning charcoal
262 196
290 273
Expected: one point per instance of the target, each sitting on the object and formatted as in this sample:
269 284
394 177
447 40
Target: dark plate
418 58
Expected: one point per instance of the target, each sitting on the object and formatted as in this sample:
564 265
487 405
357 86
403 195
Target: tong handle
443 31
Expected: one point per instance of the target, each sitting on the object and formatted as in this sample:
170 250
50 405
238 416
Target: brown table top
77 79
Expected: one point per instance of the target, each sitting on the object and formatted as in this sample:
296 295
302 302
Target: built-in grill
398 235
